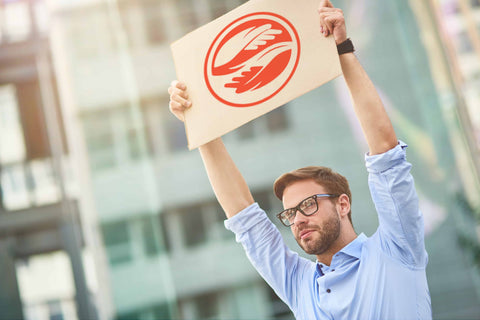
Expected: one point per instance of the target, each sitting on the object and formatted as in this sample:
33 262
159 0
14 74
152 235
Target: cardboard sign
250 61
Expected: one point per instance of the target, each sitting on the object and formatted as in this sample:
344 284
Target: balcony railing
33 183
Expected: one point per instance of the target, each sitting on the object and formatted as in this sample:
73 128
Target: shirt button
328 290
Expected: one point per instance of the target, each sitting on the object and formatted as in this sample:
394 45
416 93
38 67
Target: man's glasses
307 207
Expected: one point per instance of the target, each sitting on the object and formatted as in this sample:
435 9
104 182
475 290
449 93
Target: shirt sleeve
401 229
281 268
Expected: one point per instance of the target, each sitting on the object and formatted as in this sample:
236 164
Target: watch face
252 59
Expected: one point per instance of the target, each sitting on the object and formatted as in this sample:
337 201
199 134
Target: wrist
345 47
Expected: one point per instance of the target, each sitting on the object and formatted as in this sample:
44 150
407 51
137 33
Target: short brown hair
332 181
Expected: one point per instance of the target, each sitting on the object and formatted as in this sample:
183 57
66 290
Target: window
176 137
271 123
117 241
15 23
193 226
263 198
206 306
218 8
247 131
150 243
187 15
90 32
277 120
55 310
134 147
113 138
279 309
161 311
196 224
100 141
12 144
215 217
154 21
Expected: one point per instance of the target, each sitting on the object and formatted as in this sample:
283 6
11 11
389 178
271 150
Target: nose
299 218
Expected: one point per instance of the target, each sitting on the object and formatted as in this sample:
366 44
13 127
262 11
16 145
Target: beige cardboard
231 94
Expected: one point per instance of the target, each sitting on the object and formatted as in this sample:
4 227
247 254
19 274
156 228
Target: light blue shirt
377 277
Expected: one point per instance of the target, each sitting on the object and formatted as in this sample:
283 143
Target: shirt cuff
384 161
246 219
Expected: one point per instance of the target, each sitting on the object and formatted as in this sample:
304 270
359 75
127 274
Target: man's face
316 233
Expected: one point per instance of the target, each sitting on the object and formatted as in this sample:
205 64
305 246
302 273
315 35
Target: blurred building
44 247
88 141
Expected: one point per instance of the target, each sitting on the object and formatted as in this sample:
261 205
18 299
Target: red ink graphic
252 59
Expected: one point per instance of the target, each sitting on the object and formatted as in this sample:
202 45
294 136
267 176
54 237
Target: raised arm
375 123
227 182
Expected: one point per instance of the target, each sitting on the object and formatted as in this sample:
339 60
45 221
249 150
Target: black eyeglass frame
297 207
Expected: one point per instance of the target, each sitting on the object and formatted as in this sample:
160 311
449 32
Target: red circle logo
252 59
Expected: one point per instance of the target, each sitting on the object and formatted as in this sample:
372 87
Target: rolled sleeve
381 162
401 229
246 219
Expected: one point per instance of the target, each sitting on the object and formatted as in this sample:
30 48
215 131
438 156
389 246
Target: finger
329 24
325 28
177 109
335 21
178 84
326 3
179 99
327 9
179 92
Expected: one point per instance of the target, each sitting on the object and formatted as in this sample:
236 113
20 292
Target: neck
343 240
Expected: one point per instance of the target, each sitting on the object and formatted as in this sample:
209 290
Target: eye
308 203
289 213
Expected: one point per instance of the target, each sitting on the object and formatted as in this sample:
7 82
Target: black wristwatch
345 47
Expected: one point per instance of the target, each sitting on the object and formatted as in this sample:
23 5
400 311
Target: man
355 277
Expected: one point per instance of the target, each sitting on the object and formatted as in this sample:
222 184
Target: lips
305 233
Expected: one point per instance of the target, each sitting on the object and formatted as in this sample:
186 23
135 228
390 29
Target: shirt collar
354 248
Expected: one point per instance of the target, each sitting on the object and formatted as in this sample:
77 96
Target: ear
343 205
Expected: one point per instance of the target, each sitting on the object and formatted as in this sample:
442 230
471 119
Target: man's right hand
179 100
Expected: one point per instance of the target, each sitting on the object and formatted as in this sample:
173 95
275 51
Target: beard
323 236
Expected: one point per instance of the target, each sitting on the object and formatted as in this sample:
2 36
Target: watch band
345 47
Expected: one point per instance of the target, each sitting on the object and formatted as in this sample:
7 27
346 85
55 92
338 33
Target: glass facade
154 243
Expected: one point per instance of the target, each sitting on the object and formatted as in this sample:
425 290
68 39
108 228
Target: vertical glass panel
46 189
150 243
12 145
207 306
46 287
16 194
193 226
117 240
17 22
41 16
100 140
